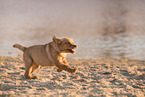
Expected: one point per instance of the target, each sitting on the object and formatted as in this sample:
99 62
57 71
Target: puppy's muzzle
73 50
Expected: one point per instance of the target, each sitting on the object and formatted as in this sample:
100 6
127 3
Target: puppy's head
65 45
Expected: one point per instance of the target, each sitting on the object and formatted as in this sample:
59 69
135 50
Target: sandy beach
95 77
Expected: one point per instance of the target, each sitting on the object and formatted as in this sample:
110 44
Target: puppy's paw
31 77
34 77
74 70
59 70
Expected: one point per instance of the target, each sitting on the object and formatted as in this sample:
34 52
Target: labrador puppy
50 54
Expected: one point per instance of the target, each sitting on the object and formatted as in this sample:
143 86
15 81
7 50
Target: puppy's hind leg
34 67
28 67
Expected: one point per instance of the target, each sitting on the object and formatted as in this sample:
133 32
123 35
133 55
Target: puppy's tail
20 47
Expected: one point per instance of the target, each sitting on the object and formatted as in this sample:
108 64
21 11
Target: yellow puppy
51 54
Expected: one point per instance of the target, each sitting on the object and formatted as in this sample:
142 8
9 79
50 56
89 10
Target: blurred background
100 28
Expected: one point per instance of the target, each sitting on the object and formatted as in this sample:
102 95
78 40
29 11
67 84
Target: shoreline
95 77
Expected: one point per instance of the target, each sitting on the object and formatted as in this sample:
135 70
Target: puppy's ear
56 40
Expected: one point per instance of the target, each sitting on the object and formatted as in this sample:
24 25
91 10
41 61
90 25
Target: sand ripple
106 77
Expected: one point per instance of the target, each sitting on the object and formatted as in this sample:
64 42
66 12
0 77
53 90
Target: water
101 29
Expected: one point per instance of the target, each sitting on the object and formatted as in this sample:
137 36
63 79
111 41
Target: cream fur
50 54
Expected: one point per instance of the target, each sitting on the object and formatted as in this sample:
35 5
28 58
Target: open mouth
71 50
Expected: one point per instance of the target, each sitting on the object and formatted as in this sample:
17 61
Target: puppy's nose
75 45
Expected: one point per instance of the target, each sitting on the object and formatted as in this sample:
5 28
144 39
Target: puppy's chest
63 56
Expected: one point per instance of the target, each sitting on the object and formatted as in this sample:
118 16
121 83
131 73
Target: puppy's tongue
73 50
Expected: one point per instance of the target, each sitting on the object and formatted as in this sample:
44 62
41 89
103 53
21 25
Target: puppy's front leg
63 66
64 62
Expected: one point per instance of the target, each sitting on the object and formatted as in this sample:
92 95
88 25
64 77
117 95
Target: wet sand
95 77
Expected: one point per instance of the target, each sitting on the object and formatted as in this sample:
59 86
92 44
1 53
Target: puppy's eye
69 43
